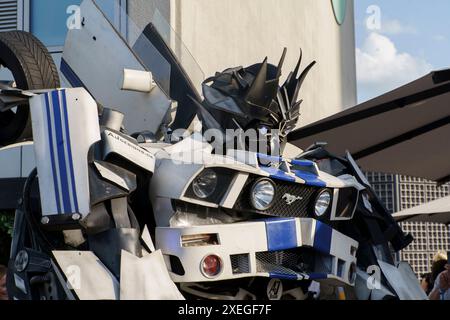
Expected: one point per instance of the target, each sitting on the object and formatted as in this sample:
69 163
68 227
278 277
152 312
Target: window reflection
48 18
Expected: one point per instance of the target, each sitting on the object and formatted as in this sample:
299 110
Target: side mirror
135 80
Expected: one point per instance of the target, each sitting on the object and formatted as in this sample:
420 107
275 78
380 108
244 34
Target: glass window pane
48 18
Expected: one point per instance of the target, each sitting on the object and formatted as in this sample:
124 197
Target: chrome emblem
290 199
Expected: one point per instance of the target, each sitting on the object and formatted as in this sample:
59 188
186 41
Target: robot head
251 98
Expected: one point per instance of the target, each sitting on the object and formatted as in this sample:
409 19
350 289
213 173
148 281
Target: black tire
33 68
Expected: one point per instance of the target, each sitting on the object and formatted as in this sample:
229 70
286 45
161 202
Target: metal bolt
21 261
76 216
45 220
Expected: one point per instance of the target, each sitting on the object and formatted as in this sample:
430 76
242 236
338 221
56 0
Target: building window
47 19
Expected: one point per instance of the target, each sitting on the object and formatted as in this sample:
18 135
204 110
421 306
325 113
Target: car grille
294 264
240 263
298 209
283 262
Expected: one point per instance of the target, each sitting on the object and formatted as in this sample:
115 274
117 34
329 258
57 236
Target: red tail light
211 266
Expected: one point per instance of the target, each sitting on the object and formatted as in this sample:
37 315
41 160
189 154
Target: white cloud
381 67
395 27
439 38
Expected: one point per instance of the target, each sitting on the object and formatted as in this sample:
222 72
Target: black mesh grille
277 261
299 263
287 263
299 209
240 263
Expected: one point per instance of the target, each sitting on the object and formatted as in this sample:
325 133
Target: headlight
263 194
322 203
205 184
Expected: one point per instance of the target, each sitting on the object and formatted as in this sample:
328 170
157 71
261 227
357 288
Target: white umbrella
436 211
405 131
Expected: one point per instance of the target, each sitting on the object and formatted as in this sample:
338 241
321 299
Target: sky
398 41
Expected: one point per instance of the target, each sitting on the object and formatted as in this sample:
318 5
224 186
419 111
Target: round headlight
205 184
263 194
322 203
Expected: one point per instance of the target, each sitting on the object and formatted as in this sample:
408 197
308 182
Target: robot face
252 99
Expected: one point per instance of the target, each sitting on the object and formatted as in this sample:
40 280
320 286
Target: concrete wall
227 33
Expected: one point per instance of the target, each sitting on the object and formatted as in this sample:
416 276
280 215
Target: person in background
3 292
441 278
438 265
426 283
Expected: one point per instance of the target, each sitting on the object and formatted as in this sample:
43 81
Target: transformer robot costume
143 211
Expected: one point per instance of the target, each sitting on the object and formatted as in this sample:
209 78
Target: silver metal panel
114 143
148 239
65 126
28 159
111 176
403 281
88 53
235 190
146 278
87 275
363 292
10 160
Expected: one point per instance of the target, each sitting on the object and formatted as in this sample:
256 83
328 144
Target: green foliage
6 223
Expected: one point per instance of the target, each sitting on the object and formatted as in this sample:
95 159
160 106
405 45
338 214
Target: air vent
8 15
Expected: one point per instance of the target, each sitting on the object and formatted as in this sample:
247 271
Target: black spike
280 64
255 93
297 67
300 81
291 81
293 74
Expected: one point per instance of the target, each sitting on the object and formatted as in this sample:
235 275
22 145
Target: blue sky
411 39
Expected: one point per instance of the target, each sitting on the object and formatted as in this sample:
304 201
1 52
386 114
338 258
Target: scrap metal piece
84 65
87 276
146 278
148 239
65 126
403 280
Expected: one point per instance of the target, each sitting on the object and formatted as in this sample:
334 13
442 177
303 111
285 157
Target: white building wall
227 33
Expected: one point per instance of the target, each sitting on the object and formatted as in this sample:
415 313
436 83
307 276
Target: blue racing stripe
70 75
52 153
303 163
69 151
281 234
310 179
317 276
278 174
61 154
322 237
283 276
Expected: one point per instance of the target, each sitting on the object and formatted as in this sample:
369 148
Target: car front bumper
263 248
